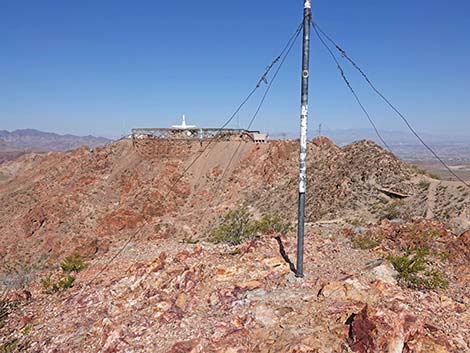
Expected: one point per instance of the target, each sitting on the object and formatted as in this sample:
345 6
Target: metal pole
303 140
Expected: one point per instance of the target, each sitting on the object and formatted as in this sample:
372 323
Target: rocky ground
173 290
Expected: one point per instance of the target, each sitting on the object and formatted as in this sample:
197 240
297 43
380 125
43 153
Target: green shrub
51 284
272 224
236 226
64 282
27 329
73 263
413 270
46 283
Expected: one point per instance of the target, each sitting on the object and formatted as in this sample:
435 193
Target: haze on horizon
103 68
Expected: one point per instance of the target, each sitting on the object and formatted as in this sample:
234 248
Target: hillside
173 290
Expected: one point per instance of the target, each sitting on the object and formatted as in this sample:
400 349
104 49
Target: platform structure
191 134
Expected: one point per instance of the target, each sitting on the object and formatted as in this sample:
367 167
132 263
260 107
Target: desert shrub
50 285
424 184
418 170
235 252
46 283
392 210
73 263
434 176
366 241
27 329
190 240
238 225
272 224
10 346
415 272
235 227
65 282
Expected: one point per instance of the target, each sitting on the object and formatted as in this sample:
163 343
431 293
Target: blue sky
103 67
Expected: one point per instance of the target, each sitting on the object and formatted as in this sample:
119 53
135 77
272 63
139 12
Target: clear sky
103 67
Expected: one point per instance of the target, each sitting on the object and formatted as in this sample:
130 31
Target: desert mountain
173 289
18 142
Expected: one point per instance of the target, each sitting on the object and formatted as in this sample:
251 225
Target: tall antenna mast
303 139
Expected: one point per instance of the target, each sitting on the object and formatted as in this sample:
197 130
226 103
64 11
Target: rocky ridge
172 291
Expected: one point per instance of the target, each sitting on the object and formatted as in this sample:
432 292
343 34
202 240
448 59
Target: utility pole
303 139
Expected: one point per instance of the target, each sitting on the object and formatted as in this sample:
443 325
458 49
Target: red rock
119 220
362 333
183 347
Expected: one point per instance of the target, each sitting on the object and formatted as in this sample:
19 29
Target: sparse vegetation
414 270
58 282
50 285
235 252
9 346
6 307
434 176
422 236
356 222
73 263
65 282
238 226
424 184
190 240
14 342
418 170
392 210
272 224
27 329
46 283
366 241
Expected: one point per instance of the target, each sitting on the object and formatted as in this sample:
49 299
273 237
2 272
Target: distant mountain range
405 145
16 143
452 148
31 140
346 136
